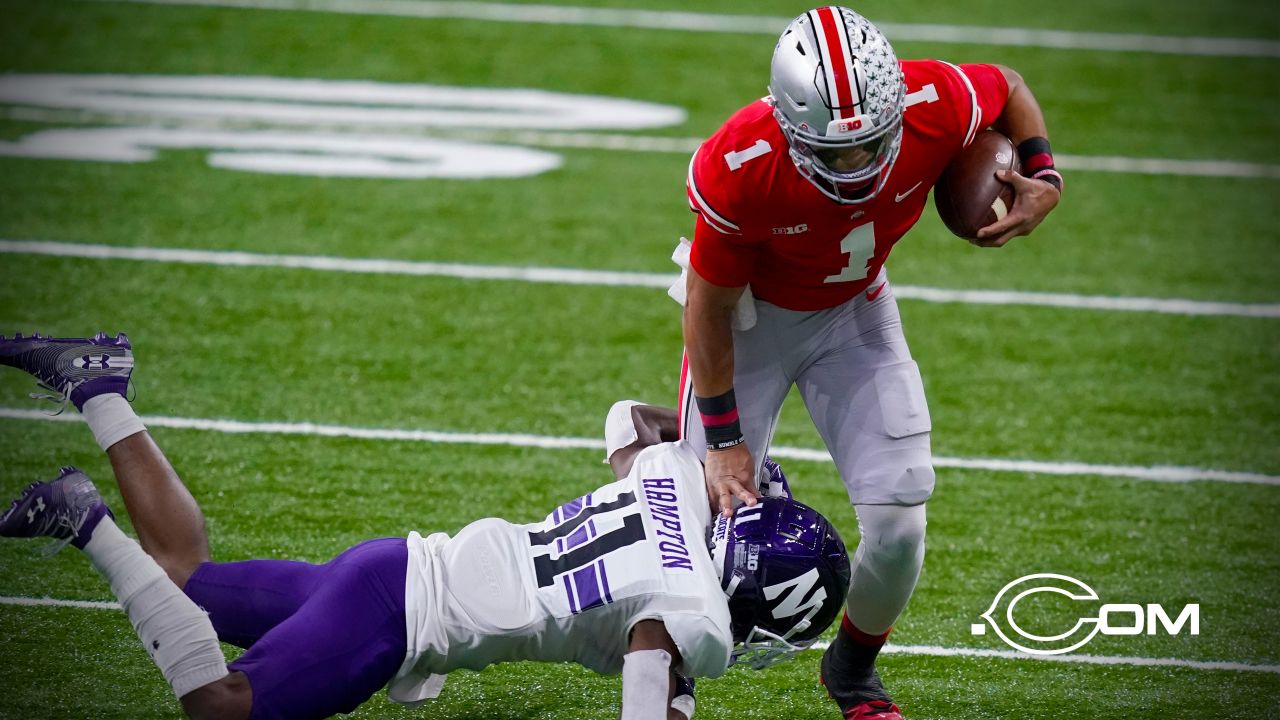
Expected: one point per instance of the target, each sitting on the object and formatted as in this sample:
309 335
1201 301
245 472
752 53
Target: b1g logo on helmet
1111 618
797 589
849 126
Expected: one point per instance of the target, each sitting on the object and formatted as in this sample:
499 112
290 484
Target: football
968 195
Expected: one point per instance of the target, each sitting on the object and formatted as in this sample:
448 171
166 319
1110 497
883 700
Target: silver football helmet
838 93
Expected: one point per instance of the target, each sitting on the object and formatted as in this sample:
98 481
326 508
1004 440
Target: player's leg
246 599
165 516
342 645
865 396
93 374
172 628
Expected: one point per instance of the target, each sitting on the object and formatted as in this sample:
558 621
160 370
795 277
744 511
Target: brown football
968 195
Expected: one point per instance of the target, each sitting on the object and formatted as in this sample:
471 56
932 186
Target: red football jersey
761 222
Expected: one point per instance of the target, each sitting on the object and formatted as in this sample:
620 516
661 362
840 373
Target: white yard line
608 278
601 140
892 649
757 24
939 651
55 602
1156 473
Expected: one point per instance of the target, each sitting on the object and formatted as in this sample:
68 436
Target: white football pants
865 396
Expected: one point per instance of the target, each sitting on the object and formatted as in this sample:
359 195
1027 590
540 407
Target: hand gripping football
968 195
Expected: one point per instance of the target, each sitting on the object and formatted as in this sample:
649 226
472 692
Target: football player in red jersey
800 196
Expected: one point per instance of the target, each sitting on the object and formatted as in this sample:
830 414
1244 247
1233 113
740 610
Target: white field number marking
302 113
736 158
291 153
860 243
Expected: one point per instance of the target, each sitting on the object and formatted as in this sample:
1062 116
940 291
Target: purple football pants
321 639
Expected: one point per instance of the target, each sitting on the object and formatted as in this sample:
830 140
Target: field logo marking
274 125
1140 619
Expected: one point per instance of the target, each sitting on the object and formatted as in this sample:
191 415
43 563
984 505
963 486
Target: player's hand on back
1032 202
730 474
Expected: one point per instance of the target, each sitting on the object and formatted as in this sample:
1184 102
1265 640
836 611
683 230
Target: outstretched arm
1021 121
708 343
649 680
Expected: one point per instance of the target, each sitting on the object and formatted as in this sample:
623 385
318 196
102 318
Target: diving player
618 580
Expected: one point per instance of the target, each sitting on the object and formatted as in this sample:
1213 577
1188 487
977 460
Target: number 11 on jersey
860 244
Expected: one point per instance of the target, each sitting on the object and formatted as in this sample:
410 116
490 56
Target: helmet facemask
817 158
762 648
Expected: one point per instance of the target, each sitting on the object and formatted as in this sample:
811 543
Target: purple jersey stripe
568 589
604 580
578 537
588 585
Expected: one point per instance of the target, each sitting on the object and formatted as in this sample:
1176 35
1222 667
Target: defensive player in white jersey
800 198
630 578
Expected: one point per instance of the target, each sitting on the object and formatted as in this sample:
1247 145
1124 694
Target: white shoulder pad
619 428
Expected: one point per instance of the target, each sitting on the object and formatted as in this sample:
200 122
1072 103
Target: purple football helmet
786 573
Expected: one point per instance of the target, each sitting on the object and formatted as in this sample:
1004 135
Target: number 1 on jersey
736 158
584 546
860 243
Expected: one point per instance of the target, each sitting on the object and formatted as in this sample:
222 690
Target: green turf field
1014 382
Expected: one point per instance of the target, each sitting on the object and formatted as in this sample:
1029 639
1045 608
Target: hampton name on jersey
571 587
761 223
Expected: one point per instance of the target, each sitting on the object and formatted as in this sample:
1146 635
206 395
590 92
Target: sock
862 649
111 418
173 629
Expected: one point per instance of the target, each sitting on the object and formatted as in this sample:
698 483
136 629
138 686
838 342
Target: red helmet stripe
839 70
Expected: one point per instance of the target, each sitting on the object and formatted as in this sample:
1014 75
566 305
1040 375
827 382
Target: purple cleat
74 368
66 509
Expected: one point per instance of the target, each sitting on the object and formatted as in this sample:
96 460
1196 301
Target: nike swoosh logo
903 196
873 294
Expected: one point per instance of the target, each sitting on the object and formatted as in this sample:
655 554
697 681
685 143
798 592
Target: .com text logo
1112 618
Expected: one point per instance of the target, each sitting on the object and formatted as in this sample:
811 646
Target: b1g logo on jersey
1111 618
792 230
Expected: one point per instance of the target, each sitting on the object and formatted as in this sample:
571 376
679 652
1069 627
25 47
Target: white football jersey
571 587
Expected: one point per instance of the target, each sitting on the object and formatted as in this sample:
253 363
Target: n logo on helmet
794 603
